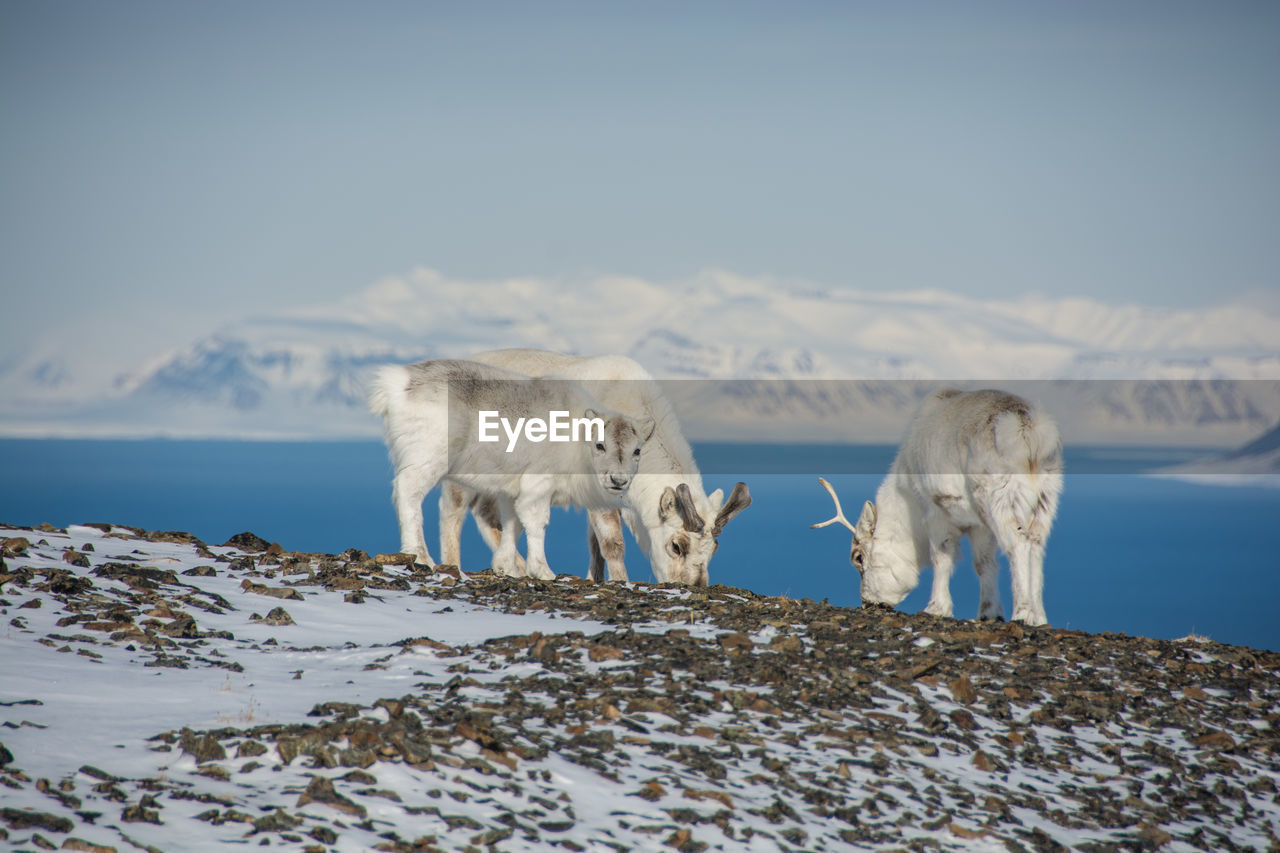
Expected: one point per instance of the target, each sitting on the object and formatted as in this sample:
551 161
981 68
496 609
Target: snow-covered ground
154 697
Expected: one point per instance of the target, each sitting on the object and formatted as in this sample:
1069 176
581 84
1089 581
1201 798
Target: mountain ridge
302 373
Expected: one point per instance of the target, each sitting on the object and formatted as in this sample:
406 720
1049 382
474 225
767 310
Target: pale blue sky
214 160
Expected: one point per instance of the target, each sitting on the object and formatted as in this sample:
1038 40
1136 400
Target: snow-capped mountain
773 360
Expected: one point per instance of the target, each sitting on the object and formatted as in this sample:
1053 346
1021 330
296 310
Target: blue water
1129 553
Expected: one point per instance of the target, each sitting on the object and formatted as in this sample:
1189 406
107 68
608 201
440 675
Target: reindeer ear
866 525
716 498
667 504
645 428
591 414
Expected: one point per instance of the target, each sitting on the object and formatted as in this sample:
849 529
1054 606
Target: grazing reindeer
431 412
675 522
982 463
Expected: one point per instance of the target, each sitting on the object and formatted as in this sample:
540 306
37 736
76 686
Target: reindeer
431 412
675 522
985 464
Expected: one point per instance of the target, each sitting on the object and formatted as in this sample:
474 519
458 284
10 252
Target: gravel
656 716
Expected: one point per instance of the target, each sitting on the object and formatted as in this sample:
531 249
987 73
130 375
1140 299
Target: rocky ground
158 693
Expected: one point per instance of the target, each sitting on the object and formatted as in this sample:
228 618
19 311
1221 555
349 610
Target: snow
301 375
101 706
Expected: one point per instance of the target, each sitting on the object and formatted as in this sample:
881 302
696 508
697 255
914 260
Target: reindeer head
616 458
880 583
683 550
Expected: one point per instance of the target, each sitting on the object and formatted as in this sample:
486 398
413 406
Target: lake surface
1129 553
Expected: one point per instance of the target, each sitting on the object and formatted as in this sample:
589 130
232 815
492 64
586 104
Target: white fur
650 510
430 415
985 464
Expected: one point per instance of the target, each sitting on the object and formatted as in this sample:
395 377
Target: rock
27 819
183 627
202 747
138 577
75 558
963 690
86 847
344 582
139 813
277 616
602 653
1129 741
1214 740
790 645
286 592
1153 837
323 834
679 838
250 749
961 831
321 790
79 844
652 791
248 542
15 545
394 559
277 821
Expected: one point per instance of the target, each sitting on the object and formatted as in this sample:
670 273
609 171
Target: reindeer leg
987 566
506 554
453 510
595 566
1035 580
943 548
484 509
533 507
606 529
1024 585
407 492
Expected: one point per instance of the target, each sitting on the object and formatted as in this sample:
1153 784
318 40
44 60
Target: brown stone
601 653
679 838
79 844
1214 740
652 791
321 790
963 690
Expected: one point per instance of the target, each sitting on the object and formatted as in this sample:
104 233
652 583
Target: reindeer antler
839 516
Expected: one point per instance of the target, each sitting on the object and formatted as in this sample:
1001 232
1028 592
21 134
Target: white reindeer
431 415
981 463
675 522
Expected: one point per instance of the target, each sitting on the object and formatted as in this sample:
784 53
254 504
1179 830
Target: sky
169 166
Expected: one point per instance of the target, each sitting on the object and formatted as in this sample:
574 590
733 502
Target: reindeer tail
1030 439
388 388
